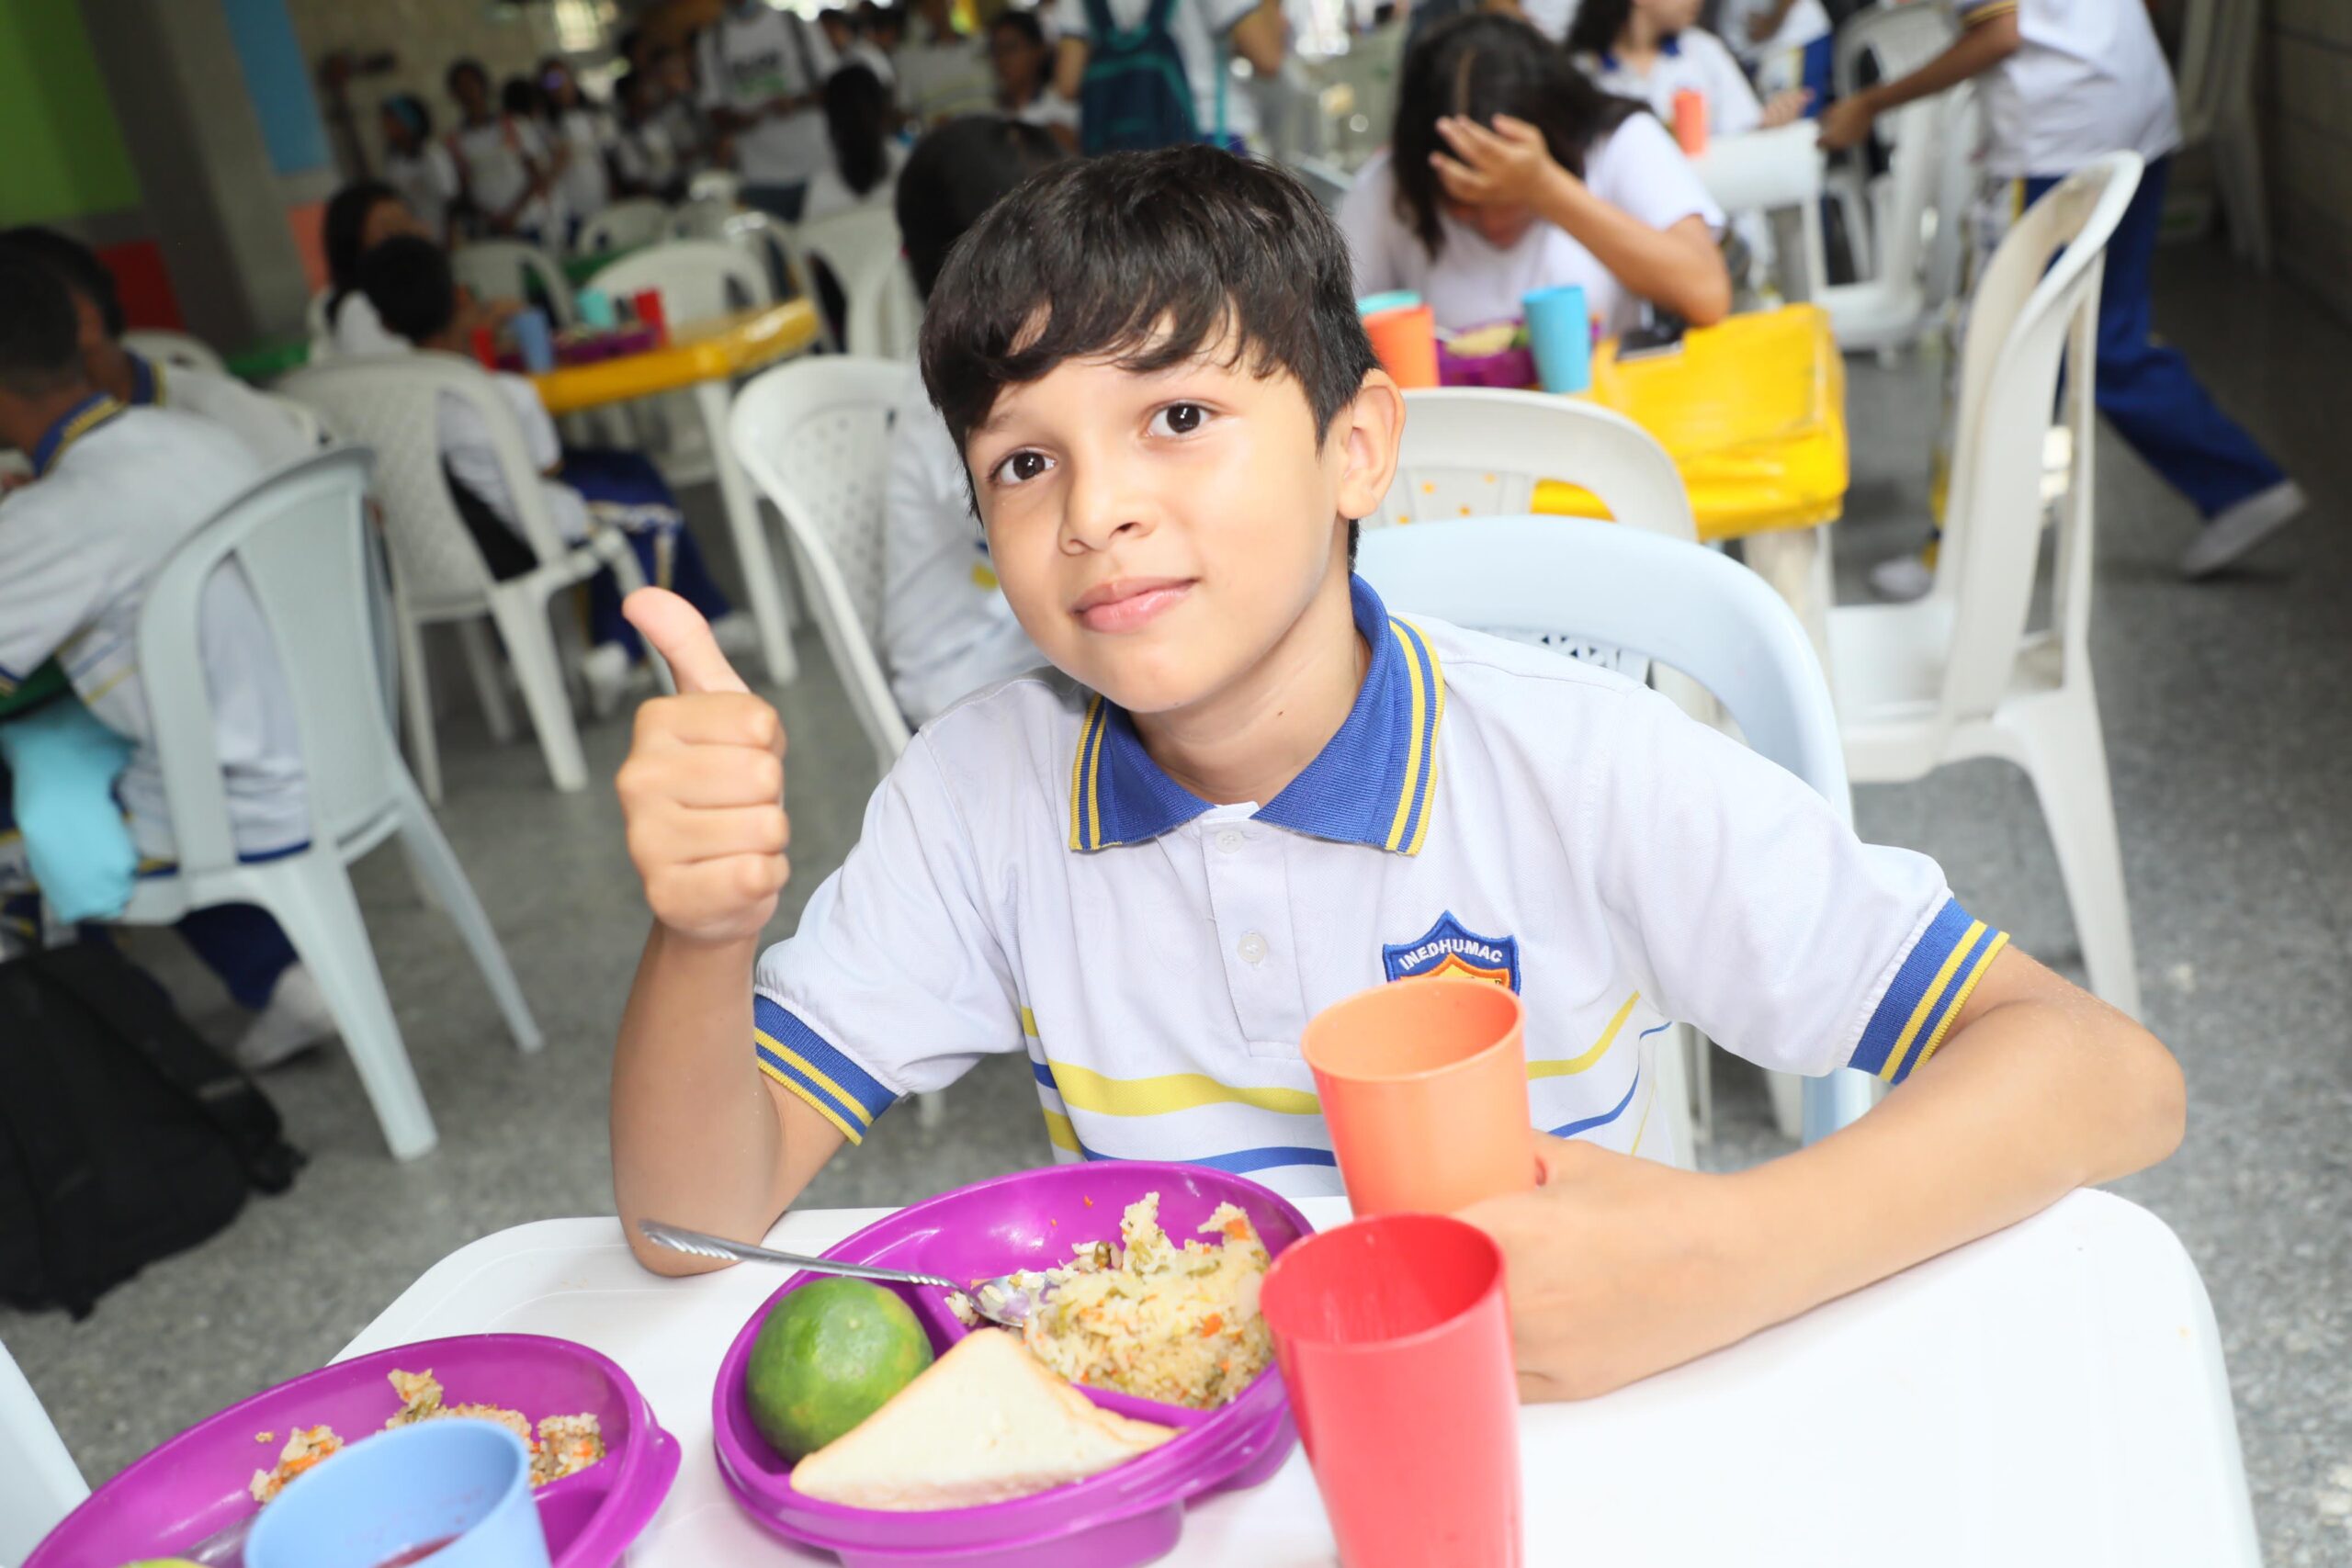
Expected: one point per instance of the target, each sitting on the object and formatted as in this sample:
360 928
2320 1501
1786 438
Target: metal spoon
1009 1299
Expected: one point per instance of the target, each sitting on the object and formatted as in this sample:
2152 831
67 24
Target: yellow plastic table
703 357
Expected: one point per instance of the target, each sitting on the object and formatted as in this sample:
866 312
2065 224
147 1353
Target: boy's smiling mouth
1129 603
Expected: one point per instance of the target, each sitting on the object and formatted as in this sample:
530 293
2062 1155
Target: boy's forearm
1979 48
1660 264
2034 1098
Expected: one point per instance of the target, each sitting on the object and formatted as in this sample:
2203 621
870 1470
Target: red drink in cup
1691 122
647 302
1395 1343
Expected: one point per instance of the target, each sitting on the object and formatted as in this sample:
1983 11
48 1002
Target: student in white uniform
942 72
1544 180
865 156
1250 789
685 125
1785 44
1209 35
762 70
2062 83
1650 50
115 492
503 165
946 629
417 165
1022 60
643 160
580 135
851 47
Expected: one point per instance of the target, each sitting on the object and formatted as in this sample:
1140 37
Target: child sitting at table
1650 50
1246 790
1510 172
866 157
116 490
407 281
1024 62
946 628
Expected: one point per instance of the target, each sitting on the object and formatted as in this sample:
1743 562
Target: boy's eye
1021 468
1179 419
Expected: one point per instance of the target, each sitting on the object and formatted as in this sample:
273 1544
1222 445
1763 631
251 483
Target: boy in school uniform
1247 789
946 629
116 490
764 76
2062 83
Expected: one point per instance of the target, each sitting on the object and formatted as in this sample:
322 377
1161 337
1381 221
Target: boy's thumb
679 634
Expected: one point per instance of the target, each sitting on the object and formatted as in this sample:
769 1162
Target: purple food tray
1513 368
1129 1515
195 1487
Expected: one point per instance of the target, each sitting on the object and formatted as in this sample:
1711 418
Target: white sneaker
1903 578
605 667
2235 530
737 635
296 1020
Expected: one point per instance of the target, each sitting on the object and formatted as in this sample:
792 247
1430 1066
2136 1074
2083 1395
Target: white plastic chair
39 1483
1892 309
1959 674
1691 609
815 435
507 269
861 249
696 278
393 405
169 348
1480 451
1897 36
716 184
296 538
625 225
1774 171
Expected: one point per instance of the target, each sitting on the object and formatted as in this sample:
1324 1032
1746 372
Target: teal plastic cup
1395 299
455 1492
1559 331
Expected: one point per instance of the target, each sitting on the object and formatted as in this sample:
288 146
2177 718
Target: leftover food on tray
830 1355
1149 1318
563 1445
985 1423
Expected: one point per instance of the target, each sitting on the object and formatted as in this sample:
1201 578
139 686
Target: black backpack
123 1137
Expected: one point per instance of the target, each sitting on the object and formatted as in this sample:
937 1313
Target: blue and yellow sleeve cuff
1929 991
804 1062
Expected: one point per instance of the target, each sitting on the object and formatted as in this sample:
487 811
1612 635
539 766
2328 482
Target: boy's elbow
2161 1100
1708 298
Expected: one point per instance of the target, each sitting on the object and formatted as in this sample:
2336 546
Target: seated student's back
865 157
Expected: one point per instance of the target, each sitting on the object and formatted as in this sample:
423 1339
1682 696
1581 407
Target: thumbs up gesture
701 791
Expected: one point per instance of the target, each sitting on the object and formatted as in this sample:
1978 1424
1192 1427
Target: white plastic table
2051 1394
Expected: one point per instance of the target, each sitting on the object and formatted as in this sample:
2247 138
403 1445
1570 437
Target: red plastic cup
647 302
485 347
1405 341
1394 1338
1691 122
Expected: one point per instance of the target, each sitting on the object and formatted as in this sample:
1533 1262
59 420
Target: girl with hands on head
1510 172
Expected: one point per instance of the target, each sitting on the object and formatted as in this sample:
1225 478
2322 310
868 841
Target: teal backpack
1135 94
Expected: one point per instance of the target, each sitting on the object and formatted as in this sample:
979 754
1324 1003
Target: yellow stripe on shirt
1413 749
1437 719
802 1063
1061 1133
1082 1088
1951 1013
1078 775
811 1097
1599 1048
1927 999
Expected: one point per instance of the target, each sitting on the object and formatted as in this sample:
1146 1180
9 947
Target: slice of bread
983 1424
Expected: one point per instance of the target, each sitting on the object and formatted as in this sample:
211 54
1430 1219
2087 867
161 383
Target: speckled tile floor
2228 753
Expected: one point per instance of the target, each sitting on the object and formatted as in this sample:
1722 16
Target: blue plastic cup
460 1484
1560 333
596 309
534 337
1395 299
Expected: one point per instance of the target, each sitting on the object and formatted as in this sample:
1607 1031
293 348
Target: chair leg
930 1109
530 645
416 696
312 897
436 863
490 687
2058 744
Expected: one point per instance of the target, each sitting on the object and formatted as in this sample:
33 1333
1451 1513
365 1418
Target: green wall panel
61 152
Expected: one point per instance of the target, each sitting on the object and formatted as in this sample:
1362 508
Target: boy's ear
1368 431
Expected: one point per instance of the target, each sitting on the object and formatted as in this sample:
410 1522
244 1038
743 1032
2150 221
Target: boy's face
1158 535
1019 63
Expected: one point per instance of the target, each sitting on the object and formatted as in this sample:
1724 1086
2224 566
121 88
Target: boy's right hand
702 792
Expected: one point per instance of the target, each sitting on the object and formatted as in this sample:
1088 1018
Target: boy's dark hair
857 123
74 265
461 68
1025 23
344 229
41 337
1598 25
1476 67
957 173
1150 258
409 282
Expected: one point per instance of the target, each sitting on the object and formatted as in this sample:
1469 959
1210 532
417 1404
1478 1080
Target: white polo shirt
946 629
1774 60
751 56
2089 78
1030 881
268 433
1635 168
427 181
118 490
587 187
1694 60
496 158
1197 29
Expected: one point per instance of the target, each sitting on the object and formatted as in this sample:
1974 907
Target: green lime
830 1355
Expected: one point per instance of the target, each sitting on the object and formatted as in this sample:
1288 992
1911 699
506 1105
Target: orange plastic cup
1424 1086
1691 122
1405 341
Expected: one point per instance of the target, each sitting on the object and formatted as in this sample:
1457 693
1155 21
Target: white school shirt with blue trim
2089 78
1030 881
1693 59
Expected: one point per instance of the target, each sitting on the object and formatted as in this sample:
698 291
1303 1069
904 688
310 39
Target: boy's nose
1101 510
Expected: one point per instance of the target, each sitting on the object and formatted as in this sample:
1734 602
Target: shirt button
1229 840
1252 948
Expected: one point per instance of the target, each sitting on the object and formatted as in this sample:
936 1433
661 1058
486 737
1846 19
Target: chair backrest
39 1483
307 422
319 326
861 248
509 269
298 539
1899 36
1697 611
701 218
696 278
170 348
1480 452
1770 171
716 184
2036 305
815 435
623 226
393 406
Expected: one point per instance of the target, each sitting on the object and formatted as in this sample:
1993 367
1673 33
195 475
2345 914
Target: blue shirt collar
146 380
77 421
1374 783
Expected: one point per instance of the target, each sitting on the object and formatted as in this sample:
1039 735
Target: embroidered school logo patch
1450 948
